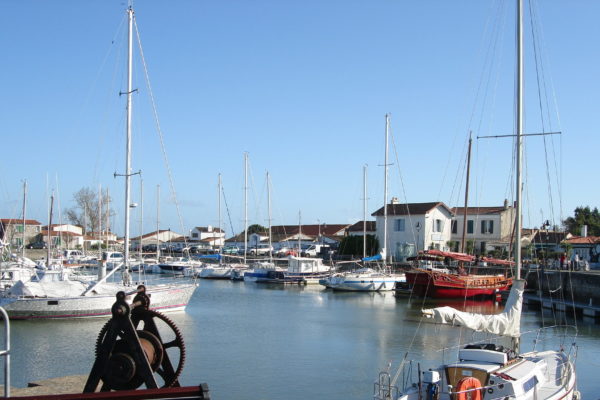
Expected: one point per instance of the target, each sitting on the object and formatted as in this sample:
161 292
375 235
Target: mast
100 219
385 188
245 206
24 207
464 230
141 219
48 250
519 150
157 221
270 219
219 211
128 130
365 211
107 227
299 233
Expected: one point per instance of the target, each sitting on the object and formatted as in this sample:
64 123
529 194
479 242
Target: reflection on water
251 341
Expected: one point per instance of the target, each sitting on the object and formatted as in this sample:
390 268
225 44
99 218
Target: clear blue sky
303 87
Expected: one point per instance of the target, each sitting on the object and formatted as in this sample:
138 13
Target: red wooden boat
441 284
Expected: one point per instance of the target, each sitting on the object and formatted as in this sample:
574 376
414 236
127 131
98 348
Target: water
249 341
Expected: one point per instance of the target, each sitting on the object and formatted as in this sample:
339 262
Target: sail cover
507 323
373 258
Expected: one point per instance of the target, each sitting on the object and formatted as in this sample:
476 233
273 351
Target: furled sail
507 323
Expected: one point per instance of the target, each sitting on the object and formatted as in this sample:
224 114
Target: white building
413 227
488 228
208 234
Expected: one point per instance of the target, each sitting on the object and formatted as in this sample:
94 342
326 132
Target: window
195 235
438 225
470 226
454 225
399 225
20 228
487 226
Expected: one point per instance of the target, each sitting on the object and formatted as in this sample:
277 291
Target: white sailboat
369 279
73 299
488 371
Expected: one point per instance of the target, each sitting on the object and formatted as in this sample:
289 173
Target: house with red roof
14 233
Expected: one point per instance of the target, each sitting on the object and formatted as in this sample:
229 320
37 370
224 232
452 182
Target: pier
566 291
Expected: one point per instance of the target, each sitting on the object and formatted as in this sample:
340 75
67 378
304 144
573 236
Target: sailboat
369 279
73 299
442 283
221 270
487 371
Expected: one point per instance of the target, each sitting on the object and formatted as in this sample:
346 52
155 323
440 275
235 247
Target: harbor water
250 341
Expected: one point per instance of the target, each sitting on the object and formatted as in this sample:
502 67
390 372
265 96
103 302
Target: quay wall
578 286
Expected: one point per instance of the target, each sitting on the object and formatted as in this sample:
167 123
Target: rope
159 130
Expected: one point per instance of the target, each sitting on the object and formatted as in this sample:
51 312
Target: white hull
165 298
364 282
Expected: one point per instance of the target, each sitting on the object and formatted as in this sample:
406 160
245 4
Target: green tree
256 228
353 246
583 216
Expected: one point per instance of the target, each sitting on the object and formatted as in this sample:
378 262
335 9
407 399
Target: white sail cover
507 323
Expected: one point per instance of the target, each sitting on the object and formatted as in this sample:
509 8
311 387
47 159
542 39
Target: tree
583 216
85 212
353 245
256 228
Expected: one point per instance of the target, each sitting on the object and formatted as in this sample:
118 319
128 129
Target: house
290 235
209 235
586 247
61 239
76 229
358 228
13 232
162 236
488 228
413 227
545 241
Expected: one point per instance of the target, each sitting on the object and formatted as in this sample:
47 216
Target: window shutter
483 226
491 226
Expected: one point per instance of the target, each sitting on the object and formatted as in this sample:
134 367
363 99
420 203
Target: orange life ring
466 384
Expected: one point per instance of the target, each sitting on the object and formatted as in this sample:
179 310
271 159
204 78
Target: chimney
506 204
584 230
395 200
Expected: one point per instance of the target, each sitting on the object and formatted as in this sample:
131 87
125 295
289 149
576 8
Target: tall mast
364 211
48 247
107 225
299 233
464 230
385 188
24 209
99 233
270 219
245 206
128 125
141 218
157 221
518 207
219 211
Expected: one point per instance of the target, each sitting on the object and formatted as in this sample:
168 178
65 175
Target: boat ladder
6 352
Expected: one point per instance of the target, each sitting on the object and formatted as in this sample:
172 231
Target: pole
364 211
245 206
128 130
24 220
385 188
518 221
464 230
270 219
157 222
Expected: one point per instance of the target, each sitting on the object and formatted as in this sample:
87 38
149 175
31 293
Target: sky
303 88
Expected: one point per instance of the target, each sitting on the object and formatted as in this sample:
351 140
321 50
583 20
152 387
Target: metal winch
130 350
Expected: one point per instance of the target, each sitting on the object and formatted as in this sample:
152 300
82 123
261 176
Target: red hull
443 285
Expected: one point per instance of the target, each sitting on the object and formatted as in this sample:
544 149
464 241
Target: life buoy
465 389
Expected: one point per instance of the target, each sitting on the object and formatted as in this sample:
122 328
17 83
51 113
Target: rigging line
558 178
538 71
233 232
403 189
158 128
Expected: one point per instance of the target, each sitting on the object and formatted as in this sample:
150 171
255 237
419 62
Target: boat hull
164 298
443 285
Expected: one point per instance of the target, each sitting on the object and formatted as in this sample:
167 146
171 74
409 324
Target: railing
6 352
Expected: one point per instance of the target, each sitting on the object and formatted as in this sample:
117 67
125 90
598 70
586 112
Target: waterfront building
12 229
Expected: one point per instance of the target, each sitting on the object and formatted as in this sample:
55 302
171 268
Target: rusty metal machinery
130 350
